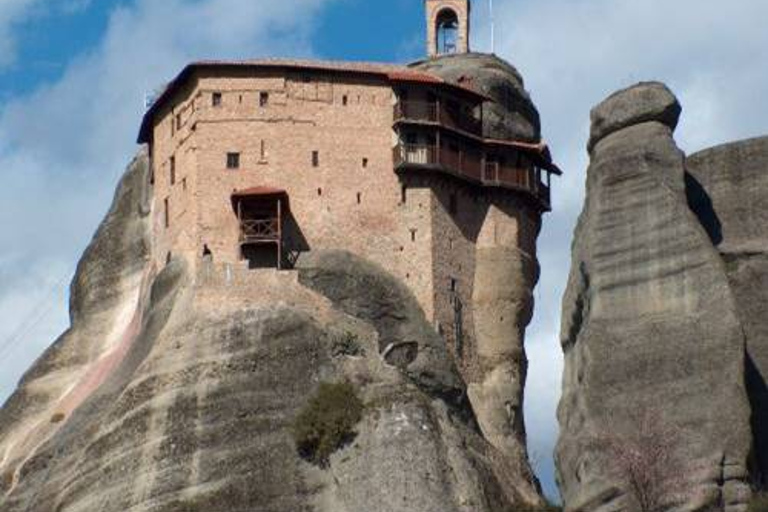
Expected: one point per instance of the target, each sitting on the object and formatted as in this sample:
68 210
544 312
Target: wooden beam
240 227
279 233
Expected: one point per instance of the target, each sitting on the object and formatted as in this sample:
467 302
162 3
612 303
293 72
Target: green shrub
759 503
327 422
346 344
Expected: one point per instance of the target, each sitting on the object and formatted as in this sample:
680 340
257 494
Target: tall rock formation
176 391
728 191
506 264
651 330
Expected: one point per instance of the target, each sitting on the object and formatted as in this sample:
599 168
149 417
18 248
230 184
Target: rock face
653 340
506 268
728 191
167 396
513 115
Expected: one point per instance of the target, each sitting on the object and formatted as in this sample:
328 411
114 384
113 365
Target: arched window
447 31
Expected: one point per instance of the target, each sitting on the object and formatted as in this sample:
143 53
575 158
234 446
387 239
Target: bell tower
447 27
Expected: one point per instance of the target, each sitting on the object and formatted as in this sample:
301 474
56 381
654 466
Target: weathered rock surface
650 327
171 403
105 297
642 103
506 267
728 191
513 116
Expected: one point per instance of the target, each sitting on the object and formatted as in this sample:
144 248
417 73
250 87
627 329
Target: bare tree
646 461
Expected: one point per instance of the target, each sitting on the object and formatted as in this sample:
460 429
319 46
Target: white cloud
63 147
14 13
573 53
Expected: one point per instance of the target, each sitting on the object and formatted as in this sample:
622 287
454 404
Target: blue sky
73 74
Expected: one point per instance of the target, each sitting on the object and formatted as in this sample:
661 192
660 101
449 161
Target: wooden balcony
438 113
470 164
259 231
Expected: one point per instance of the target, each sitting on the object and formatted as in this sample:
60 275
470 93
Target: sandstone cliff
178 392
506 271
728 191
653 326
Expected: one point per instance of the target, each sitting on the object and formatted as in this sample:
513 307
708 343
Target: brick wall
423 227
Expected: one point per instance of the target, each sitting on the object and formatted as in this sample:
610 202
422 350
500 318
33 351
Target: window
166 213
184 184
365 163
216 99
345 100
413 235
178 122
172 169
233 160
359 198
263 152
453 284
403 194
263 99
319 192
315 159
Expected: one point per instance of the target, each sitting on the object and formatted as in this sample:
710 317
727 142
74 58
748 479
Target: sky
74 73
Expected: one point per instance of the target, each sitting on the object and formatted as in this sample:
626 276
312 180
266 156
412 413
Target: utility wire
41 310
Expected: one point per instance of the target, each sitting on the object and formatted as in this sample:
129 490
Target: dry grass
58 417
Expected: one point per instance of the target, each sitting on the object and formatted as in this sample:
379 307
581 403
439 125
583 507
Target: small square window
263 99
216 99
315 159
233 160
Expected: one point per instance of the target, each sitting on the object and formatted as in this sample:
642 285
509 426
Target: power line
37 315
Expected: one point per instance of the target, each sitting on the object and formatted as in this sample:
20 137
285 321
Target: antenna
493 28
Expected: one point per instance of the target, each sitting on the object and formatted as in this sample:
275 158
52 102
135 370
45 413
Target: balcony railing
470 164
259 231
438 113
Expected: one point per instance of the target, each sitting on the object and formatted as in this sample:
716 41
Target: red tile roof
259 191
391 72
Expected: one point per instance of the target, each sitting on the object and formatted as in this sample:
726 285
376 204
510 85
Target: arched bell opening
447 30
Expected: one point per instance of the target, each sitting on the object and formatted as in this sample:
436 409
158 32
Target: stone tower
447 27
